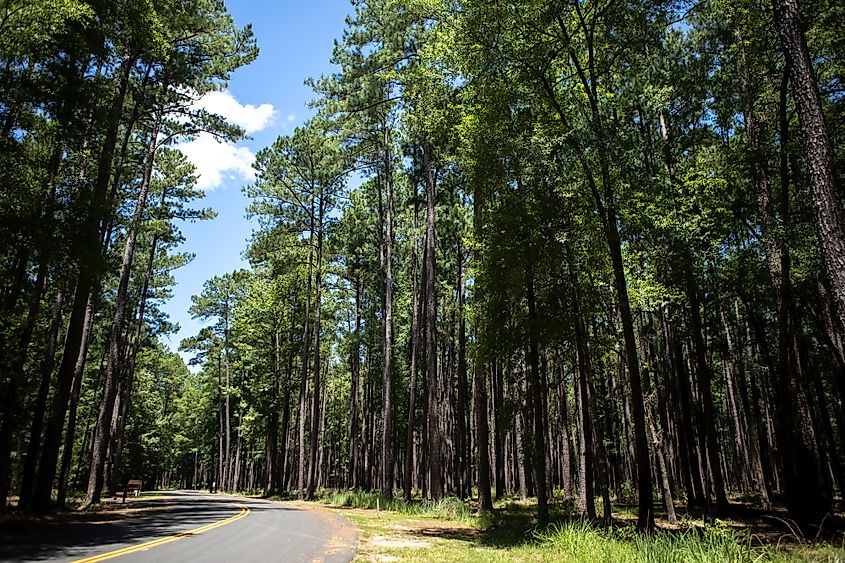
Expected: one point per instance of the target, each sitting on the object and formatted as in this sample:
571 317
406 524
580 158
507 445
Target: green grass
581 540
428 531
448 508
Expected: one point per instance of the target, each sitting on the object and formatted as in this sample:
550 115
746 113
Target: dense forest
590 252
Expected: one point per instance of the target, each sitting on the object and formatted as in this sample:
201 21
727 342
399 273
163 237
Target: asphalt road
185 526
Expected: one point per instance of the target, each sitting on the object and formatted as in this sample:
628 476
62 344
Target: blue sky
267 98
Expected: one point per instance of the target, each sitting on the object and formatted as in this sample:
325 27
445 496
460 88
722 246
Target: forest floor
447 531
111 508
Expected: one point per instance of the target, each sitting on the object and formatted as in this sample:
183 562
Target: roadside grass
425 531
449 508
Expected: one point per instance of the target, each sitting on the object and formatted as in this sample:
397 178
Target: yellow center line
161 541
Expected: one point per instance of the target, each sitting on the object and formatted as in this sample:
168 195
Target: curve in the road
211 528
161 541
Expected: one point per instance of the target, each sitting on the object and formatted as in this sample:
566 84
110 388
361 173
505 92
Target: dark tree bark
10 410
303 382
498 430
40 408
355 360
283 475
485 502
73 410
315 407
818 158
537 401
387 344
412 393
462 458
435 448
586 498
271 484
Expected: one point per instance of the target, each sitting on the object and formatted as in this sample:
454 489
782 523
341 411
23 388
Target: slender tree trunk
387 344
435 456
586 499
315 412
283 479
462 426
303 382
10 410
498 430
355 361
566 445
412 393
272 439
132 348
537 402
485 502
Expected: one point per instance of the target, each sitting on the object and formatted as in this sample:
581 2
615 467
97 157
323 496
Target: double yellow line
161 541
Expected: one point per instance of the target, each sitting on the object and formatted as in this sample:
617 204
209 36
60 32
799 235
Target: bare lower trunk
387 344
435 456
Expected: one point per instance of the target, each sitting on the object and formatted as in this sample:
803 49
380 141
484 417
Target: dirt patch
397 542
100 515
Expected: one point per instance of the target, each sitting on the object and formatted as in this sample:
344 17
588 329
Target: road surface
185 526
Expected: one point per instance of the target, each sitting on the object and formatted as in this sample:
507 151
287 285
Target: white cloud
291 117
217 161
251 118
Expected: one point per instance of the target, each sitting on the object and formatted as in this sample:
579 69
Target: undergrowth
511 534
448 509
583 541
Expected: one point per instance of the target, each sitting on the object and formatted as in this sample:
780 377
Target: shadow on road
81 535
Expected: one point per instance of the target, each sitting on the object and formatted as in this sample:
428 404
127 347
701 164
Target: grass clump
447 509
583 541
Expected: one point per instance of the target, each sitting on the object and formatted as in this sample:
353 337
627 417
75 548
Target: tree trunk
387 343
412 393
485 502
70 432
435 456
820 163
18 372
537 402
303 382
498 430
315 410
355 361
586 498
461 426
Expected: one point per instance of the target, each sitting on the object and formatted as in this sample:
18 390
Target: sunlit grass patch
426 531
448 508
